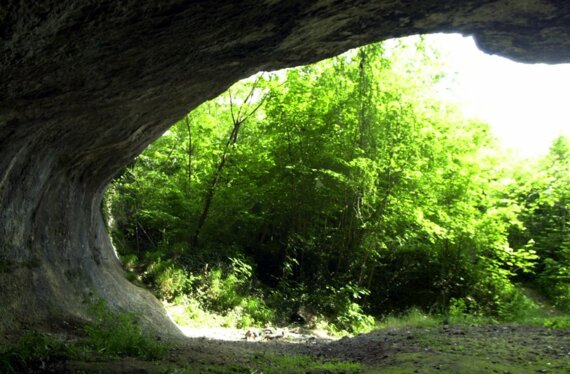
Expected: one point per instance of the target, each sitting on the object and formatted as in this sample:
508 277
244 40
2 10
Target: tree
239 117
544 191
350 187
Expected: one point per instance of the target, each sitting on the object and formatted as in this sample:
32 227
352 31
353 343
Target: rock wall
86 85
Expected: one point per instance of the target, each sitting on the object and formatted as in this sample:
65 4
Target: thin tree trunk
362 91
190 151
214 183
362 132
238 119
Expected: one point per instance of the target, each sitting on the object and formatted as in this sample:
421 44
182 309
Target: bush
258 310
222 289
110 335
168 279
343 310
353 320
172 282
252 311
517 307
555 282
557 322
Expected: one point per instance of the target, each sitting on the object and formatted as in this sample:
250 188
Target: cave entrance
361 186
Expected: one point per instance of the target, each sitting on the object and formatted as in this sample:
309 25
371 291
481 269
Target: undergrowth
109 336
117 334
35 351
230 296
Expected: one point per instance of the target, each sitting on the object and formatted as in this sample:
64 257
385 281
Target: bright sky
526 105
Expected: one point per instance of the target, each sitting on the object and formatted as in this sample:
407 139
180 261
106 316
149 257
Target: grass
499 349
463 343
465 363
34 351
412 318
413 341
117 334
416 318
270 363
109 336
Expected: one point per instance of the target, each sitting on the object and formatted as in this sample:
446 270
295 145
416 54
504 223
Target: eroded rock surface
85 85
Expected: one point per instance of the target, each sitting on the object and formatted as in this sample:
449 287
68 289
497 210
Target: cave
87 85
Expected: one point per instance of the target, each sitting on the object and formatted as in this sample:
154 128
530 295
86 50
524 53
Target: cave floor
443 349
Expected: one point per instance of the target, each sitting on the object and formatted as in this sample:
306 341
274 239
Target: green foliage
113 334
34 352
193 313
344 188
346 315
222 290
253 311
557 322
110 335
230 292
271 363
517 308
170 280
411 318
544 190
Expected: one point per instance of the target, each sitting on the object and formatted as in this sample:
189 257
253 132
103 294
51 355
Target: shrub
516 307
258 310
224 289
252 311
172 282
555 282
353 320
343 310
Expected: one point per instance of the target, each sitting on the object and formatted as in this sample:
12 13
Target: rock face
85 85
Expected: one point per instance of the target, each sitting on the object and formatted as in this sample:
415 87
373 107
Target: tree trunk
190 151
238 119
214 184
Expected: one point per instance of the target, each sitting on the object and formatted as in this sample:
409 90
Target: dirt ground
444 349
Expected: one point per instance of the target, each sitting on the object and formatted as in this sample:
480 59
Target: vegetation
343 192
33 351
346 196
119 335
109 336
273 363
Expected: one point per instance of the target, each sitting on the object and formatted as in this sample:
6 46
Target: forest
340 194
